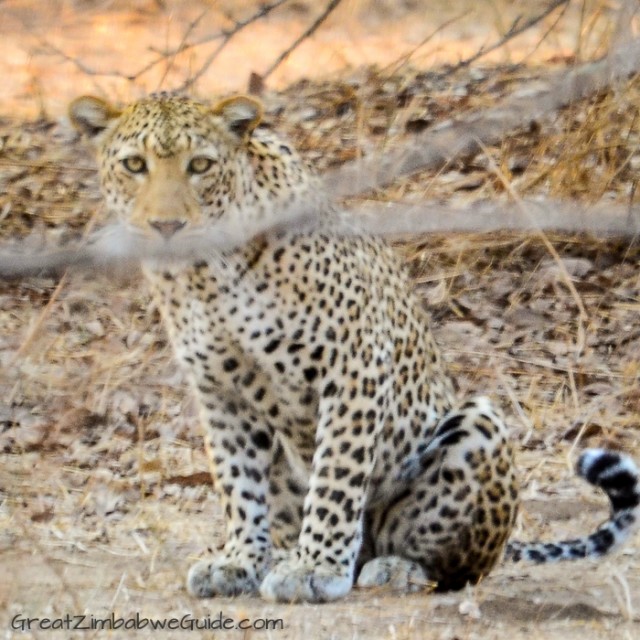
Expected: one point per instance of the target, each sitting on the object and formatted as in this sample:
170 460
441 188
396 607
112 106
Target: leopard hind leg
449 526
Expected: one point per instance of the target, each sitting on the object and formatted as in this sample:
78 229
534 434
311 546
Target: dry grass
105 493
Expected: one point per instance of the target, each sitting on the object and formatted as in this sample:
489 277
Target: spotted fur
336 444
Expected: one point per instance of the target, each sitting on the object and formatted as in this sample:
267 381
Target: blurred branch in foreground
118 246
393 219
440 145
432 150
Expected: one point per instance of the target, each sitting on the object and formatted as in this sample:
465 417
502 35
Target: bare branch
81 66
405 57
308 32
172 58
90 71
226 37
548 31
225 34
517 28
169 55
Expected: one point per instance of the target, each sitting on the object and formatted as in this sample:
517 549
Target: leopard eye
199 164
135 164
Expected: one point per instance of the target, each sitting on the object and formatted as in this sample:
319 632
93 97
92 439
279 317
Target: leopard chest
224 322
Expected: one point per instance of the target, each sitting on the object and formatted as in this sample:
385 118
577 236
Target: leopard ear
91 115
241 114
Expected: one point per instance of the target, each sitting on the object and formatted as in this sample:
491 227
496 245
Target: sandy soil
105 499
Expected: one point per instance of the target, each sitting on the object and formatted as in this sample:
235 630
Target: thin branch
543 237
189 82
547 31
487 216
170 54
44 314
226 36
308 32
405 57
81 66
172 58
90 71
517 27
35 329
167 57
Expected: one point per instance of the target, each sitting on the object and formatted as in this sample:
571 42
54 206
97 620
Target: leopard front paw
222 577
293 580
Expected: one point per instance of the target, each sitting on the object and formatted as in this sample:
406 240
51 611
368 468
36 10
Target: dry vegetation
104 491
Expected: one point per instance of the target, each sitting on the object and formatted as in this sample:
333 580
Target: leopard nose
167 228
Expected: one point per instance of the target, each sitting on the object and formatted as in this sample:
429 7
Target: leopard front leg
239 447
321 566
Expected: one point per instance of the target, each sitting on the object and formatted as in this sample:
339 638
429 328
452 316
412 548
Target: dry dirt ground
105 498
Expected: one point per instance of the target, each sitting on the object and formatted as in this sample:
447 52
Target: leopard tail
617 475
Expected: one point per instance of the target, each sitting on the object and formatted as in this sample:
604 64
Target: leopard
337 444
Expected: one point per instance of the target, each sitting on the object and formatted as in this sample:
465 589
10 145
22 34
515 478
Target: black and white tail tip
617 475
